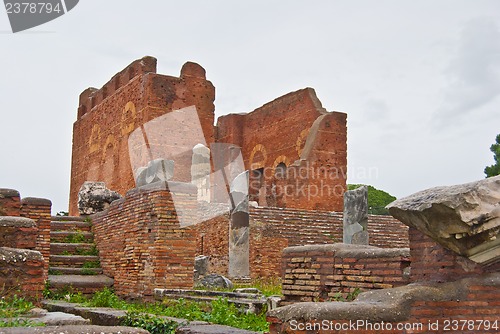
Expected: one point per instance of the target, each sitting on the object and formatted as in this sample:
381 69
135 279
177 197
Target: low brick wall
18 232
274 229
21 273
10 202
325 272
468 305
449 291
39 210
141 243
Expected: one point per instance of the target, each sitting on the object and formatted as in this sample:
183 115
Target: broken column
200 171
239 229
356 216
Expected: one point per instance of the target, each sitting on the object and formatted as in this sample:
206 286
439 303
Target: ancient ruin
452 279
162 200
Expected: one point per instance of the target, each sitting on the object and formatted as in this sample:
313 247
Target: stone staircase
74 260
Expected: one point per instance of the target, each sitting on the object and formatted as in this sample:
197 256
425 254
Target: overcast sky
419 80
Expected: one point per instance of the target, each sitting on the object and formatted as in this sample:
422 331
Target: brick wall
131 99
274 229
433 262
21 273
451 290
470 304
323 272
17 232
39 210
292 127
141 243
10 202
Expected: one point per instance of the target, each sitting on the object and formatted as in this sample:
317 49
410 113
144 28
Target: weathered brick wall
39 209
469 305
141 243
433 262
10 202
18 232
132 98
452 290
21 273
274 229
291 127
323 272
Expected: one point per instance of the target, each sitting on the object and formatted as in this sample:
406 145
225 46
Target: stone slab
74 329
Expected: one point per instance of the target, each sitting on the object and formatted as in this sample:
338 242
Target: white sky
419 80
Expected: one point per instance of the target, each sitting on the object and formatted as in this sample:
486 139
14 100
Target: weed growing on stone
269 286
76 238
91 264
89 251
339 297
88 272
219 311
151 323
54 272
12 308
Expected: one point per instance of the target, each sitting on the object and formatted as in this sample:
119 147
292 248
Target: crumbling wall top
91 96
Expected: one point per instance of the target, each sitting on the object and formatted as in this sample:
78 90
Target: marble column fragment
239 229
356 216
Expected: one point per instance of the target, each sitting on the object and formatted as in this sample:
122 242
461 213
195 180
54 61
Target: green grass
76 238
92 251
219 311
91 264
270 286
54 272
12 308
88 272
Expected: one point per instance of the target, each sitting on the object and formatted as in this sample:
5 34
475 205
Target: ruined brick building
295 150
289 132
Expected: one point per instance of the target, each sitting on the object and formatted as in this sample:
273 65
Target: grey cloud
474 73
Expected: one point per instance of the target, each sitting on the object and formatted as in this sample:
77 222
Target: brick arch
259 148
129 115
281 159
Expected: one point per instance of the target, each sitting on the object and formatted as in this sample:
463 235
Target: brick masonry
451 290
293 132
433 262
17 232
274 229
141 243
25 241
326 272
132 98
21 273
10 203
39 210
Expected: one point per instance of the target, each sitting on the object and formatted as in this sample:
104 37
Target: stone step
86 284
70 226
75 271
74 261
69 218
60 248
71 237
252 302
